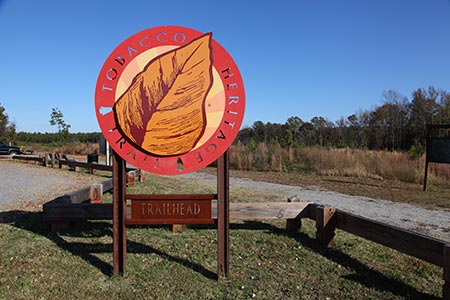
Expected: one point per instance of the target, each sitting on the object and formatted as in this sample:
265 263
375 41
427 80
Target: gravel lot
27 186
431 222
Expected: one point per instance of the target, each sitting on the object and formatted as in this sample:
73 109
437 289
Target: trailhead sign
170 100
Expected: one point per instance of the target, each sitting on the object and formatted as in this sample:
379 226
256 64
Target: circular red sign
170 100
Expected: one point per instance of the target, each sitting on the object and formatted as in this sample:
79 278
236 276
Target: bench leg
325 225
293 225
446 287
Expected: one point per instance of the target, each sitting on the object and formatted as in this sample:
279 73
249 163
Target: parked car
9 150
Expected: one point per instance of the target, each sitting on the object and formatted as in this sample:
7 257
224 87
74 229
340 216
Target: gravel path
27 186
431 222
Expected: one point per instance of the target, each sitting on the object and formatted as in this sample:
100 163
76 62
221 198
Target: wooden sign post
170 100
170 209
119 207
437 147
223 217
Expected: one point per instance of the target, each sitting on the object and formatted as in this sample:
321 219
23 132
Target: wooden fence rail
50 159
435 251
90 166
53 210
36 158
432 250
408 242
73 164
79 196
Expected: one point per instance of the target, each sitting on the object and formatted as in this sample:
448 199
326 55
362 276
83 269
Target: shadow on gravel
32 221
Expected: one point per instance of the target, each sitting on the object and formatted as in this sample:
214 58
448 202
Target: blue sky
297 58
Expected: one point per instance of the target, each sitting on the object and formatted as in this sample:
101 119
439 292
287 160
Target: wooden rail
75 205
27 158
73 164
408 242
50 158
435 251
60 211
79 196
238 211
429 249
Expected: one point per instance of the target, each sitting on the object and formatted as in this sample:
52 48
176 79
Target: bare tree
396 116
56 118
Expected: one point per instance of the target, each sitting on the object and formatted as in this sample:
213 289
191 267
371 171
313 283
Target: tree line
55 138
397 124
8 132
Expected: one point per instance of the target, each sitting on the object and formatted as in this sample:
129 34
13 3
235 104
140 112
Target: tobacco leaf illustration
163 110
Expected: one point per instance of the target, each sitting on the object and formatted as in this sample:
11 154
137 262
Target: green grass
265 261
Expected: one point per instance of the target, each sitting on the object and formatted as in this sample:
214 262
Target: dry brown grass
359 163
390 165
79 149
70 149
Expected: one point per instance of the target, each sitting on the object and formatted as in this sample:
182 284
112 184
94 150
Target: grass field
266 262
